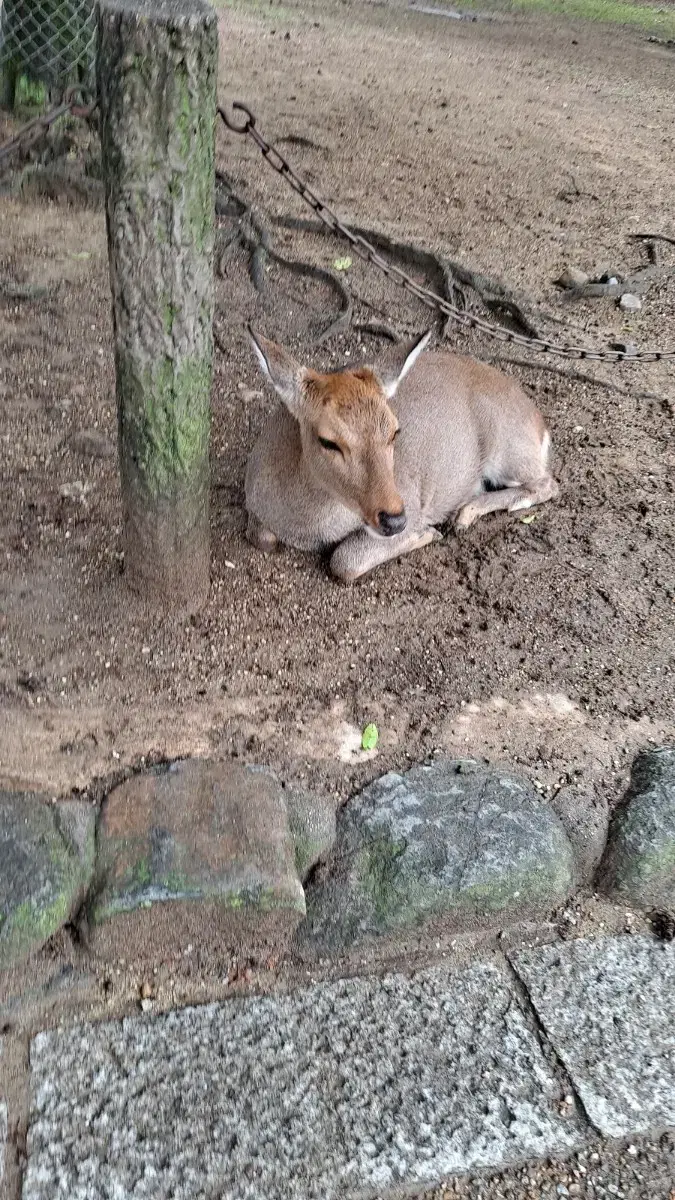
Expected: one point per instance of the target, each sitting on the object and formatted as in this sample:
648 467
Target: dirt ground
513 144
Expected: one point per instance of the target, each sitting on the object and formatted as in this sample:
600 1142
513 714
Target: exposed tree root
378 329
60 183
251 233
653 237
449 277
638 284
583 377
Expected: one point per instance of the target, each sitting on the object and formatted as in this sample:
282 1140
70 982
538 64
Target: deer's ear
403 359
283 372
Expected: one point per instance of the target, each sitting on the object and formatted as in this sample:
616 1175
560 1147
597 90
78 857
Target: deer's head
347 428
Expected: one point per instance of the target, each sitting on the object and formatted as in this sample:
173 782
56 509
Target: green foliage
30 94
657 18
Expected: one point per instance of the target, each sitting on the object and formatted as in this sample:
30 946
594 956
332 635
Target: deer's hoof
263 539
344 574
465 518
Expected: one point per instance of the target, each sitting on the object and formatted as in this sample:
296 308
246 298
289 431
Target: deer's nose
391 523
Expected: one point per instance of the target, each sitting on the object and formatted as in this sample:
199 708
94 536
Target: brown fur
462 425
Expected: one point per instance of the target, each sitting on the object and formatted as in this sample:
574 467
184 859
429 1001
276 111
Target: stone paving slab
350 1089
608 1007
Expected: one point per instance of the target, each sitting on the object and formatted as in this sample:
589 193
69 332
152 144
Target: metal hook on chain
87 106
232 125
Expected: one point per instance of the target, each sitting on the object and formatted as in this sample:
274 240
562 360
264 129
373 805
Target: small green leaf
528 519
370 737
342 264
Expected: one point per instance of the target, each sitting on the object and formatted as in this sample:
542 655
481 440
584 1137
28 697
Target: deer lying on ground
370 460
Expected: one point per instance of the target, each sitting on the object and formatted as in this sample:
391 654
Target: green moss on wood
165 422
170 313
157 79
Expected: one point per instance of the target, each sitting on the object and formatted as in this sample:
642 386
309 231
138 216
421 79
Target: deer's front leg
259 536
360 553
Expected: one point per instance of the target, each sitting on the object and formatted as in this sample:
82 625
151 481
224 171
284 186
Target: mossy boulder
46 863
639 864
198 853
448 844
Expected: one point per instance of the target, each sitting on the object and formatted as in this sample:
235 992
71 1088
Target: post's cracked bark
157 66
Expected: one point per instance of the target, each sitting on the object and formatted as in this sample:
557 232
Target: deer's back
455 415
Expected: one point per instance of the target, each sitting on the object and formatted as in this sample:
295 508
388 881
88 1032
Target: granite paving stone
348 1089
608 1007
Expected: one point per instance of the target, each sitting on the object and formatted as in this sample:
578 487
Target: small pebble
76 490
572 277
248 394
92 443
630 303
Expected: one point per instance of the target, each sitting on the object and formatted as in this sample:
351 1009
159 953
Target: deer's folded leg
360 552
260 537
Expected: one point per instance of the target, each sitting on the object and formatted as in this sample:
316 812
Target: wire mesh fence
50 41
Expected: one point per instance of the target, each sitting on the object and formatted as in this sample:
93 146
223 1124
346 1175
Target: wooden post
157 66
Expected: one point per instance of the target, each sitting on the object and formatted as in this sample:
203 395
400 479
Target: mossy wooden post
157 65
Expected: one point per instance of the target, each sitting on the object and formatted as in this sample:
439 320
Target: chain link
32 130
365 250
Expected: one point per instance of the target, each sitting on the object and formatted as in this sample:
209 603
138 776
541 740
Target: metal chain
32 130
365 250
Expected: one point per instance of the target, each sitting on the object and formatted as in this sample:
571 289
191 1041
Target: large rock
639 865
447 841
608 1007
365 1087
311 820
198 853
46 863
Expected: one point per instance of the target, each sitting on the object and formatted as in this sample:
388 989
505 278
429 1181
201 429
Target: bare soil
513 144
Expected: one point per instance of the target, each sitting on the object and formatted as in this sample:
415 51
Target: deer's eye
328 445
